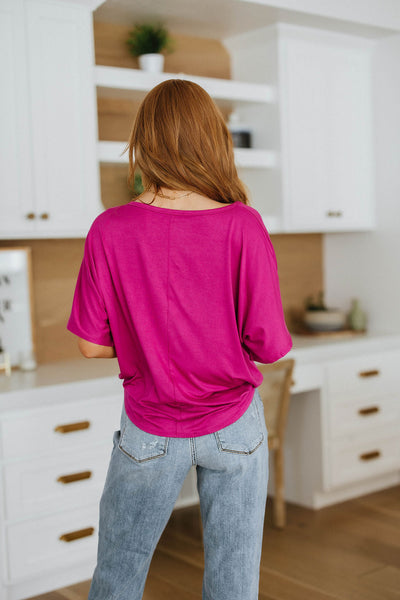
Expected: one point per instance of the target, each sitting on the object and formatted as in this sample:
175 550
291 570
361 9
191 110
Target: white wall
367 265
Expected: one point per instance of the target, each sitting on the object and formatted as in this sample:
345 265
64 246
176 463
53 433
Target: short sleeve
88 318
261 320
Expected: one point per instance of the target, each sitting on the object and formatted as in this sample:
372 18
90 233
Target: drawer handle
76 535
72 427
334 213
370 373
370 455
74 477
368 411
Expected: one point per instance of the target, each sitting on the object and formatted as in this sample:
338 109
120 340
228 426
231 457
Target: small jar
240 133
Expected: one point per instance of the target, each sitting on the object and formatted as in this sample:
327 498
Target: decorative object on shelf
147 41
5 362
318 317
16 301
357 317
241 134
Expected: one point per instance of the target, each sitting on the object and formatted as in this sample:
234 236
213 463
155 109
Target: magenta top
190 299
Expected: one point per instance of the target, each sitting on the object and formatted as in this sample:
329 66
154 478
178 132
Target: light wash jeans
144 478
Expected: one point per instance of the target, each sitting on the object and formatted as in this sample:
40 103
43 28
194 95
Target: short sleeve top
189 299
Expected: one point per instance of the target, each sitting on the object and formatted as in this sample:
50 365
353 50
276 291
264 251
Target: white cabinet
50 181
342 433
321 125
364 417
55 448
16 180
53 465
326 135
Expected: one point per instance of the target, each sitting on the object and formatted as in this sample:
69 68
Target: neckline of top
184 211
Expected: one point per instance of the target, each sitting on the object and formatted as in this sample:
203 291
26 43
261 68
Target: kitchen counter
65 371
306 351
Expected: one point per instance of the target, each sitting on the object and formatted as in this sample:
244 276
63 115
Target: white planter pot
154 63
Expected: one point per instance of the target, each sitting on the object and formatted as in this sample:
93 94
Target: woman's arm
90 350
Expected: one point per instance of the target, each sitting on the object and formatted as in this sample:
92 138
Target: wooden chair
275 394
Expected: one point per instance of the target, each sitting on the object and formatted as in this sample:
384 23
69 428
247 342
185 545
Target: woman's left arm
90 350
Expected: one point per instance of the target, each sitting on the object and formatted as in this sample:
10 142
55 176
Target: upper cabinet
304 92
50 182
320 126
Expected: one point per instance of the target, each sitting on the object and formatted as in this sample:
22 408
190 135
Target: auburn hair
179 141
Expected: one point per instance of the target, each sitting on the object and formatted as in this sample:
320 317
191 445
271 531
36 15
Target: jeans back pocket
246 434
138 444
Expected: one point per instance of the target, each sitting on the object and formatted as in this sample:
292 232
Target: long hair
179 141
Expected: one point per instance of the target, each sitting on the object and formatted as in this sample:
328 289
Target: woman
181 285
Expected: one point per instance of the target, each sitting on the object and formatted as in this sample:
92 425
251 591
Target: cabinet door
63 112
326 136
349 143
15 151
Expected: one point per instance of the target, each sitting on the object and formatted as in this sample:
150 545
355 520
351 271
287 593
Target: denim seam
239 451
142 460
193 451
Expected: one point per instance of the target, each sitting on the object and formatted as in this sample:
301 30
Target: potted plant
147 41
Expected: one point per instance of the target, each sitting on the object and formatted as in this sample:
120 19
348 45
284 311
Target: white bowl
325 320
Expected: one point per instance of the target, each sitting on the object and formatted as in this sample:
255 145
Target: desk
342 431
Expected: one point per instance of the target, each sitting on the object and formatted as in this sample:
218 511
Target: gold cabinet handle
370 455
76 535
74 477
44 216
334 213
72 427
370 410
30 216
371 373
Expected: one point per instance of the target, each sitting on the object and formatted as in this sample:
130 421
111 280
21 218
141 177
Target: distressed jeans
143 481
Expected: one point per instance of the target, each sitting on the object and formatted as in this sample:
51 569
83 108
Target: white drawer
364 375
63 427
60 482
362 415
306 377
363 458
35 545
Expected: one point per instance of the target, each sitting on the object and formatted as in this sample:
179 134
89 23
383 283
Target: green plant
319 305
138 187
149 39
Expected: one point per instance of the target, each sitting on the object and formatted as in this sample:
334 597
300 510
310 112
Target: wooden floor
350 551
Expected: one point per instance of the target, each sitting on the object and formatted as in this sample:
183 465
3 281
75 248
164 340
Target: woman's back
192 299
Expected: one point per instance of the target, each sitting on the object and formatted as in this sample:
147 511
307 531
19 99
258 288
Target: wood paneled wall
56 262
